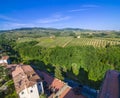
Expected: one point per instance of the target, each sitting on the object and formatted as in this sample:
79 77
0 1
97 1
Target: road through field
67 42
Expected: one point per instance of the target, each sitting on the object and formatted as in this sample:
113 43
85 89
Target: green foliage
43 96
75 68
71 41
95 61
3 75
58 73
2 72
12 95
10 91
68 55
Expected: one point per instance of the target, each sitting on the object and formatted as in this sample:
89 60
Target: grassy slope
70 41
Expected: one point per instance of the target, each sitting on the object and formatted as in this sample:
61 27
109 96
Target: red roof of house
24 76
59 85
53 82
11 65
110 86
68 93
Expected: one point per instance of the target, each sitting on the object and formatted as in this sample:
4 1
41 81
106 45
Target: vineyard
70 41
76 60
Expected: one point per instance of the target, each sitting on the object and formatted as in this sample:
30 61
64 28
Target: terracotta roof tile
11 65
68 93
24 76
53 82
58 84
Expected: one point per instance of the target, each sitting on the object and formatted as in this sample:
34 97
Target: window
22 93
31 91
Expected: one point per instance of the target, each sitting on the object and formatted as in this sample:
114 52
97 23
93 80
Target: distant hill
36 32
62 29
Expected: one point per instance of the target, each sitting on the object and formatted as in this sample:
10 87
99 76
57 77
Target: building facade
111 85
27 83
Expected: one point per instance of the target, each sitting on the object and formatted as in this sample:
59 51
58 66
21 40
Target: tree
58 73
75 68
43 96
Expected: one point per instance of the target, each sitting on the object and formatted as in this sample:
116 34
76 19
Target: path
67 42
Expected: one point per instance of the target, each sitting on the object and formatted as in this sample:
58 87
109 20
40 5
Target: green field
71 41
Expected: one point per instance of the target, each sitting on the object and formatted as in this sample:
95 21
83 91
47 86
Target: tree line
86 64
81 63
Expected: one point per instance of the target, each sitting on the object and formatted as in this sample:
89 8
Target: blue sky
87 14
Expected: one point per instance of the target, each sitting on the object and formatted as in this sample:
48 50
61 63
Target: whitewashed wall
31 92
3 61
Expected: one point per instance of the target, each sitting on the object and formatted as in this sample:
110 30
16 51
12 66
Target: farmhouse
52 36
78 36
27 83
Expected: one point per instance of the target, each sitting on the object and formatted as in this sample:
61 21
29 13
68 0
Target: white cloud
77 10
7 18
11 23
55 18
84 8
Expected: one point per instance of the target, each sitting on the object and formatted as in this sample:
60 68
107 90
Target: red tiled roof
53 82
68 93
110 86
24 76
58 84
11 65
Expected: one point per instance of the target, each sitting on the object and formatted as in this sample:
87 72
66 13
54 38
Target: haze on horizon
86 14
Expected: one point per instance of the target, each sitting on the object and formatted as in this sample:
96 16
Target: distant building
78 36
111 85
52 36
27 83
90 33
4 60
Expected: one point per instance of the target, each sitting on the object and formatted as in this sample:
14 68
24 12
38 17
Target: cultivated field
71 41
